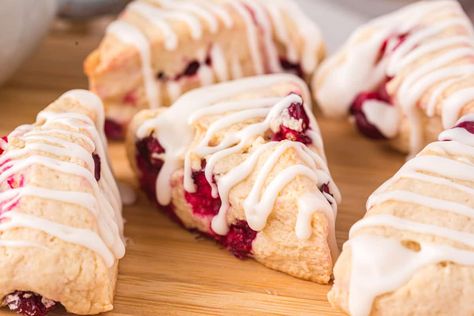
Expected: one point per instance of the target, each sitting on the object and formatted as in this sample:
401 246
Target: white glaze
175 134
104 201
252 36
380 264
263 20
131 35
382 115
306 29
344 76
374 272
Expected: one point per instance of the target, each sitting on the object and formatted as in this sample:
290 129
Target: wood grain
169 271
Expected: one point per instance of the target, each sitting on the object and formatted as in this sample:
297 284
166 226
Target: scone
159 49
405 76
60 211
413 252
243 163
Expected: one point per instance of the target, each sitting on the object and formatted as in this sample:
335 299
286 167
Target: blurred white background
338 18
24 22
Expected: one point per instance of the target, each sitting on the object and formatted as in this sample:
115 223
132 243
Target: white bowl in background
22 25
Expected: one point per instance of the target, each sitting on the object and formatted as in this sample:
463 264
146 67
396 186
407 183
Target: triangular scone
159 49
413 253
405 76
60 211
243 163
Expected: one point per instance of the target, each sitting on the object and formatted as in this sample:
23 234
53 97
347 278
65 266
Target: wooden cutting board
167 270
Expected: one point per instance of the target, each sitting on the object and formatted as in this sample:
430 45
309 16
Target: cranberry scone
405 76
413 252
159 49
60 211
243 163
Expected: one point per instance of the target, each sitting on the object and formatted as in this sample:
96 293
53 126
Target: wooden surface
168 270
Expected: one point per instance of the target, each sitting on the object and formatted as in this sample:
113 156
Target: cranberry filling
294 68
325 189
3 141
356 110
130 98
364 126
149 165
191 70
97 166
239 239
114 130
467 125
398 39
202 201
28 303
296 111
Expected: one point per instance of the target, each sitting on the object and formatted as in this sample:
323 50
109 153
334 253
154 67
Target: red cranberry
356 110
190 70
161 76
297 112
294 68
114 130
4 139
202 201
28 303
325 189
149 165
97 166
398 38
239 239
130 98
467 125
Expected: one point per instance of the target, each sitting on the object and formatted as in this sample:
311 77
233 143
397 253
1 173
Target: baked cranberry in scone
413 252
60 212
159 49
404 76
243 163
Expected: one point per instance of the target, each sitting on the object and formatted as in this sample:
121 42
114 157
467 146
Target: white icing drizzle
103 203
175 133
205 102
252 36
266 27
130 35
454 104
374 272
336 91
382 115
219 63
192 8
381 264
306 29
